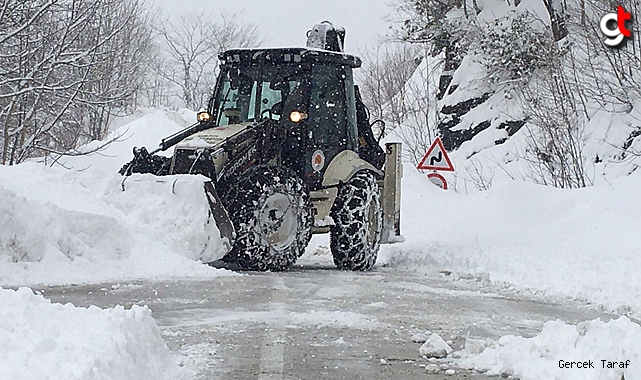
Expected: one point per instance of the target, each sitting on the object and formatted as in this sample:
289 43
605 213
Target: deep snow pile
596 342
41 340
579 243
72 222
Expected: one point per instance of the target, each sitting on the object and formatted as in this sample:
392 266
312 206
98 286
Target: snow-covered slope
579 243
495 125
71 221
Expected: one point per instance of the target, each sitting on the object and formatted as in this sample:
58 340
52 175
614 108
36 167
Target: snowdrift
42 340
579 243
172 210
29 231
596 342
70 221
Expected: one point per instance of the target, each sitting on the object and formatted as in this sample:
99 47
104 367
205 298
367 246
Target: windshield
251 93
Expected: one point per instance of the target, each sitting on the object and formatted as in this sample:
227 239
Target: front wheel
355 236
272 215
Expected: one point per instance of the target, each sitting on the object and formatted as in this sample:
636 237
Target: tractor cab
303 99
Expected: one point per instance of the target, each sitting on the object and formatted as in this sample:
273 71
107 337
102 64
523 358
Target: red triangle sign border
437 143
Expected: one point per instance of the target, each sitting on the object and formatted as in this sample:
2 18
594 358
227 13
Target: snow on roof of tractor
286 55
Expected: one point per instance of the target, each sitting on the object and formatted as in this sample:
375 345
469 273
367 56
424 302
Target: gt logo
615 36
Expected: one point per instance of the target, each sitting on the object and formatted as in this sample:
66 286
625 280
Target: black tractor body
288 147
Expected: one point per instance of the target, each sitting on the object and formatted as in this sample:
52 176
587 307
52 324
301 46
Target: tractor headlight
203 116
297 116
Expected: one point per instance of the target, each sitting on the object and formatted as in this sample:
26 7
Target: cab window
250 94
327 107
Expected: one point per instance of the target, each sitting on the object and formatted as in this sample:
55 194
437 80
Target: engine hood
213 137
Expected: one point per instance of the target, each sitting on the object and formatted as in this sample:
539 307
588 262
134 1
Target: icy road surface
317 322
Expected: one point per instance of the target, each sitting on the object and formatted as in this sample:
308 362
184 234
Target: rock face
465 87
435 347
468 103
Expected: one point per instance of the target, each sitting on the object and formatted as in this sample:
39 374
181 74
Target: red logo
617 35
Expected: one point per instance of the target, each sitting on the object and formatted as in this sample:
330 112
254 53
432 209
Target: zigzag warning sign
436 158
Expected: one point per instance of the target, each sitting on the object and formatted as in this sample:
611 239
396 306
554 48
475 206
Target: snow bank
541 357
41 340
31 230
578 243
72 222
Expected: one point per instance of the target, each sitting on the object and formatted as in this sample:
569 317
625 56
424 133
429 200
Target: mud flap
226 228
391 195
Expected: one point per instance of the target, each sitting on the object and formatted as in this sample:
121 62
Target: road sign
436 158
438 180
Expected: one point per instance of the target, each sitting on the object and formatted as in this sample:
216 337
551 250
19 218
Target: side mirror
381 128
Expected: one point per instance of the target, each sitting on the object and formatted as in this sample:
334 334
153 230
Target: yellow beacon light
297 116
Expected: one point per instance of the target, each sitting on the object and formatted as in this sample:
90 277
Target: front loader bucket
182 212
392 194
219 213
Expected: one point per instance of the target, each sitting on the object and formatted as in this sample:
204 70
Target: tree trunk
557 19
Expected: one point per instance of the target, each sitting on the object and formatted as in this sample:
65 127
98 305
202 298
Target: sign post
435 159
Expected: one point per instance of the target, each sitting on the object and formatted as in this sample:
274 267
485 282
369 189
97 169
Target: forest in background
68 67
450 68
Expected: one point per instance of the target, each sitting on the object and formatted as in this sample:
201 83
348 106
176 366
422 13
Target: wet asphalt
316 322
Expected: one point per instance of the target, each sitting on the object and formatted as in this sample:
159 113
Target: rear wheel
272 215
355 236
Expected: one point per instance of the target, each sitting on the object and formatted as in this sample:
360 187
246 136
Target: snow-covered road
474 267
317 322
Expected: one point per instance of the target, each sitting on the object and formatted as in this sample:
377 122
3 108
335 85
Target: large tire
272 214
355 236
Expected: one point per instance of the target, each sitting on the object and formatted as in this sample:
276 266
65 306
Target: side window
327 106
269 97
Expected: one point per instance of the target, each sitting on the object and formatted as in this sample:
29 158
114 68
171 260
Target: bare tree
386 70
557 13
66 64
119 68
192 44
419 129
400 83
555 129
